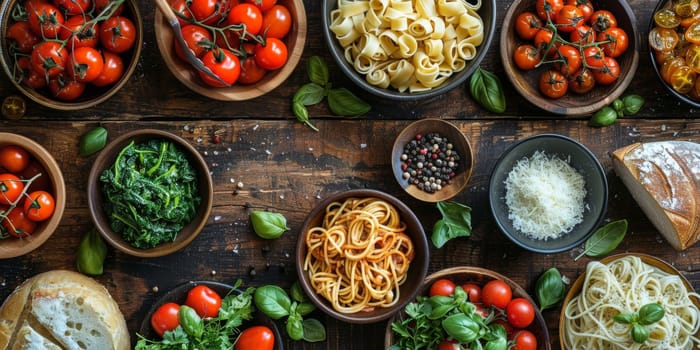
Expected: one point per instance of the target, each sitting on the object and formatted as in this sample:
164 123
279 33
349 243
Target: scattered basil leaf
268 225
632 104
485 88
604 117
302 114
605 239
455 222
317 70
650 313
93 141
91 255
309 94
190 321
344 103
550 289
272 301
314 331
618 106
639 333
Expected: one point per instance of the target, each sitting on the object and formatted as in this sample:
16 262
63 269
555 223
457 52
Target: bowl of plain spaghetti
622 284
362 256
408 50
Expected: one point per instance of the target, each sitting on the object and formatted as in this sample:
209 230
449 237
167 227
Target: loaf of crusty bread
664 179
62 310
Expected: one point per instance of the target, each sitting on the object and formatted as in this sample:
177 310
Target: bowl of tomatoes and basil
570 57
462 306
32 195
251 45
70 54
208 315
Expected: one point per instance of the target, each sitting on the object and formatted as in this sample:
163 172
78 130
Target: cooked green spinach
151 193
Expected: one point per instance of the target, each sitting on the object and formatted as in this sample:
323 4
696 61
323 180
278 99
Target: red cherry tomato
29 76
250 72
583 35
197 38
276 22
203 9
45 19
204 300
248 15
608 73
448 345
543 38
180 7
224 63
79 33
553 84
165 318
112 70
117 34
442 287
571 59
525 340
11 188
39 206
568 18
584 6
84 64
602 20
41 182
496 293
74 7
17 224
22 35
66 90
616 40
473 291
593 55
582 81
14 158
255 338
101 5
548 8
527 24
49 58
263 5
520 312
271 56
527 57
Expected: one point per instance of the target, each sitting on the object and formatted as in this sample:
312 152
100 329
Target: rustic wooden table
286 167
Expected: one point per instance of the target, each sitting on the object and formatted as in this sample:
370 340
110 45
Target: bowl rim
587 152
107 155
420 239
460 270
416 192
538 100
577 285
51 166
391 93
46 101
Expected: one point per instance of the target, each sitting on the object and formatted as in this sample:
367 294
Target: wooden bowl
460 145
187 75
417 270
479 276
487 12
178 295
93 95
106 158
647 259
526 82
12 247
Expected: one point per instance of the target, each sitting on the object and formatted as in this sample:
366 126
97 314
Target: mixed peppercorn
429 162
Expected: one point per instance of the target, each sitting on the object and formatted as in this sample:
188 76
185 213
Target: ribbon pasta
410 45
360 255
623 286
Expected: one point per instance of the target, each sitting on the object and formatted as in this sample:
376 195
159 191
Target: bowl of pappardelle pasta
362 256
408 50
619 286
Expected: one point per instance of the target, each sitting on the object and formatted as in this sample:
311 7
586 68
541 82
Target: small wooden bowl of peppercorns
432 160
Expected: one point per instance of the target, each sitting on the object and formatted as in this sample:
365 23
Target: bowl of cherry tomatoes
570 57
674 43
252 46
214 303
473 305
32 195
70 54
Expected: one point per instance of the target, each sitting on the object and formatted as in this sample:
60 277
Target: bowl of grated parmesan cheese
548 193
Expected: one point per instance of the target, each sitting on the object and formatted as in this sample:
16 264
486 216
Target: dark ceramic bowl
178 295
479 276
417 270
460 145
487 12
585 164
106 158
526 82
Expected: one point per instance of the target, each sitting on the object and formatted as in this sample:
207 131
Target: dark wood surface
286 167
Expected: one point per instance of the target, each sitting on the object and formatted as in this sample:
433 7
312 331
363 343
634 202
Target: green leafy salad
151 193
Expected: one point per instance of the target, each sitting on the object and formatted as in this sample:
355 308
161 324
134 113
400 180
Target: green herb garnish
605 239
456 222
550 288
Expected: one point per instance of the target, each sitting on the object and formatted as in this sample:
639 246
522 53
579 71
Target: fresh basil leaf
318 70
344 103
650 313
604 117
461 327
295 327
314 331
455 213
625 318
297 293
91 254
305 308
440 311
605 239
268 225
309 94
273 301
302 114
93 141
632 104
639 333
444 232
190 321
550 289
485 88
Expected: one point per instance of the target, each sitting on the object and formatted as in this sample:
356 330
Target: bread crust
36 302
664 179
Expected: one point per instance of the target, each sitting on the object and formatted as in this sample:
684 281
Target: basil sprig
550 289
456 222
341 101
485 88
605 239
628 105
648 314
274 302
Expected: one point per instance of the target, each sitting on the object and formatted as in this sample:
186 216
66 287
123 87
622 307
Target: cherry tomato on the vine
11 188
584 6
74 7
22 35
607 74
553 84
28 74
602 20
272 55
496 293
616 41
34 168
197 38
525 340
66 89
542 40
473 291
593 55
101 5
45 19
203 9
527 24
443 287
263 5
277 21
182 12
165 318
520 312
255 338
570 58
224 63
80 34
548 8
17 224
117 34
205 301
527 56
39 206
568 18
112 70
583 35
250 72
84 64
582 81
14 158
248 15
49 58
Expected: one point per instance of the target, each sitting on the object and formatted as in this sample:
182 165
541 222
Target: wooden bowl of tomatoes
70 54
473 304
207 299
32 195
572 59
251 62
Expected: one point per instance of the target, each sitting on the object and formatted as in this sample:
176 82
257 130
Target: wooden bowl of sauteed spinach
149 193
